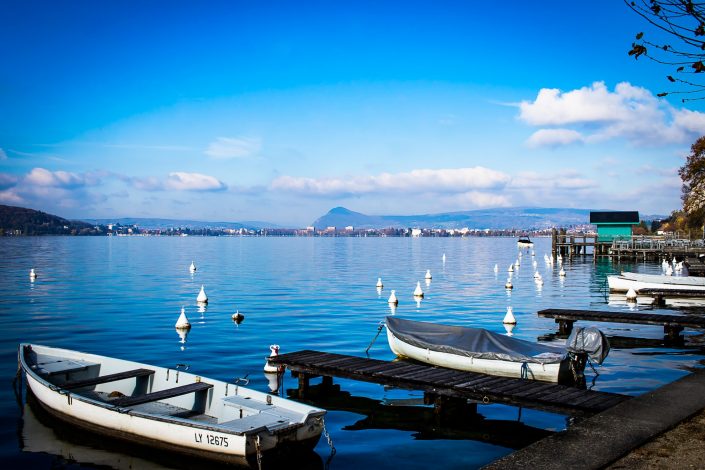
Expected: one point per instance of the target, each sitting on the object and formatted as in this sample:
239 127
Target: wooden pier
442 385
672 324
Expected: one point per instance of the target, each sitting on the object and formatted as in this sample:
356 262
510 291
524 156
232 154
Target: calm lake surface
120 297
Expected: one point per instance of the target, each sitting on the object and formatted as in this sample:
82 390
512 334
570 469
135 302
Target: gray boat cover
589 340
472 342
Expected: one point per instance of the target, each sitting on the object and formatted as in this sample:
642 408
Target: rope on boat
524 370
326 434
379 330
258 448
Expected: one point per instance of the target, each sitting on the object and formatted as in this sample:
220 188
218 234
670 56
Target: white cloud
3 155
228 147
554 137
457 180
10 196
181 181
42 177
544 181
629 112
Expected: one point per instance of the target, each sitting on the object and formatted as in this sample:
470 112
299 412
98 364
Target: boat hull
626 281
550 372
171 433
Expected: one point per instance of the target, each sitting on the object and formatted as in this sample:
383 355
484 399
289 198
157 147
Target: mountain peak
340 210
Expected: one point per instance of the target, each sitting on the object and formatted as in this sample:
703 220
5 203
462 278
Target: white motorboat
627 280
524 242
480 350
166 408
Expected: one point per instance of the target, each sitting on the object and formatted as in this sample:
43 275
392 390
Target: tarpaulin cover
472 342
589 340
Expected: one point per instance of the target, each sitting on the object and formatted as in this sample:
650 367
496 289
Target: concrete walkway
600 440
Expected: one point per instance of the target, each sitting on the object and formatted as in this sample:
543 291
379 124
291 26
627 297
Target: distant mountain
521 218
23 221
163 224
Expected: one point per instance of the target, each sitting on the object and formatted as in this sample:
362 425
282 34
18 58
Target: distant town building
415 232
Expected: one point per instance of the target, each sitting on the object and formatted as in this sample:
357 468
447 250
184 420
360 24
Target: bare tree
683 21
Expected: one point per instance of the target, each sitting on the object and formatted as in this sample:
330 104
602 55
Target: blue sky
279 111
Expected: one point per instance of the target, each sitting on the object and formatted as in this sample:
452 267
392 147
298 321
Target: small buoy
379 283
509 317
182 323
393 298
444 257
669 271
238 317
509 327
508 284
496 269
269 367
202 297
561 272
511 268
537 275
32 274
192 268
428 274
631 295
418 292
517 263
533 253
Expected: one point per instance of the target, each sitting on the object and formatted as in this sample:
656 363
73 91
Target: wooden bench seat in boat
162 394
128 374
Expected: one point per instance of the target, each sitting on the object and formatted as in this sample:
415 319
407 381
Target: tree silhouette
683 21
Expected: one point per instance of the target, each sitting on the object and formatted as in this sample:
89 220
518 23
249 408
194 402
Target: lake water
120 297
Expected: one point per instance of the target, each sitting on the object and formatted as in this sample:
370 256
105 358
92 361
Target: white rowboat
166 408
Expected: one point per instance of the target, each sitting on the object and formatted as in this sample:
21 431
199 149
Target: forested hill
23 221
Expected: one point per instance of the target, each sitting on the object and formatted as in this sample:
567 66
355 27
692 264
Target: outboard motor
583 343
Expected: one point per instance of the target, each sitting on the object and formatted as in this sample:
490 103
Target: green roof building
614 225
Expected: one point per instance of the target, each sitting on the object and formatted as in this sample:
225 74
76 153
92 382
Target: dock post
554 236
304 380
564 326
672 333
450 409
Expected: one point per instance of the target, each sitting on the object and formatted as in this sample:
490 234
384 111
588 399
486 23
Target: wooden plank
162 394
129 374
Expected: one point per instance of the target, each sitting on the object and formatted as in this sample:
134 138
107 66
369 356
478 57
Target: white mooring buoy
444 258
509 317
510 269
508 284
631 295
418 292
561 273
496 269
393 298
32 274
428 274
192 268
238 317
182 323
379 283
202 297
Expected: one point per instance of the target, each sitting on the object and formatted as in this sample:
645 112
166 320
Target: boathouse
614 224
